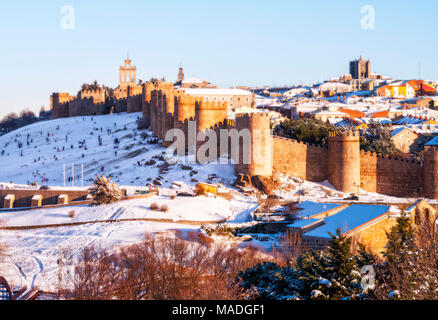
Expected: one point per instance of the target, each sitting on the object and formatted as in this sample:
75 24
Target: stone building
360 69
180 77
127 75
235 98
405 139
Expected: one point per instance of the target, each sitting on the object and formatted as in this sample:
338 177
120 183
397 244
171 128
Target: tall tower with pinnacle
180 74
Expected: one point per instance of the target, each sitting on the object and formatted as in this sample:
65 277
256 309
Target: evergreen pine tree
104 191
333 274
399 275
400 241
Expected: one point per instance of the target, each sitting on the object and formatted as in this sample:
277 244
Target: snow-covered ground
296 189
32 254
40 151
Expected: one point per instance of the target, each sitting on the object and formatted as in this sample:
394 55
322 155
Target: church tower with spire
180 74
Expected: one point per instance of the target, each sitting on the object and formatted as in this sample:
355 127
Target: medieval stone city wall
391 176
134 99
59 103
341 163
346 167
299 159
88 102
430 172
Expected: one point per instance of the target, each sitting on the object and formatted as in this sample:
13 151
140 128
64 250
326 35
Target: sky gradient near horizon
226 42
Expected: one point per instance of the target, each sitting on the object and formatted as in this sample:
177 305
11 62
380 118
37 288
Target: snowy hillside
38 152
32 253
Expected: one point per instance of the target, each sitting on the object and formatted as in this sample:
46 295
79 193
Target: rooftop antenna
419 70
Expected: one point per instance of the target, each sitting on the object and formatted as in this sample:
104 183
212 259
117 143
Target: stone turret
59 104
160 104
209 114
167 118
430 173
260 148
344 161
154 111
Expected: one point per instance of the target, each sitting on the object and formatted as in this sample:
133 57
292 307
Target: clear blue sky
226 42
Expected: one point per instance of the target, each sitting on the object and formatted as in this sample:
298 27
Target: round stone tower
184 111
160 98
146 103
430 173
344 161
255 155
154 108
167 118
209 114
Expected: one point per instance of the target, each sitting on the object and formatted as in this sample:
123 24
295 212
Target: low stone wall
23 197
81 201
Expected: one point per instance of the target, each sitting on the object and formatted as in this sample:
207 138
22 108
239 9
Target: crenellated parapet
97 96
396 160
296 144
59 104
207 114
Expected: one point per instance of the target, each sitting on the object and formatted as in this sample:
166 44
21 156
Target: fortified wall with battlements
341 162
86 103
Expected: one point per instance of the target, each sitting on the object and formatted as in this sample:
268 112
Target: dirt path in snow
187 222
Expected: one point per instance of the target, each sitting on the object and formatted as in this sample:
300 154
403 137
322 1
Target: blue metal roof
310 208
301 223
348 219
432 142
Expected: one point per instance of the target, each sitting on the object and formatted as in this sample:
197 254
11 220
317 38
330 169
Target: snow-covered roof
397 130
192 80
334 85
409 120
309 208
348 219
216 92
